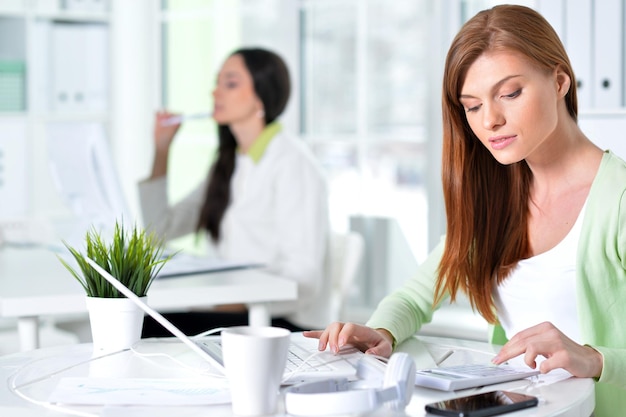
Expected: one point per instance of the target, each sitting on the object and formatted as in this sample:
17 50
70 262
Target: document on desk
140 391
182 264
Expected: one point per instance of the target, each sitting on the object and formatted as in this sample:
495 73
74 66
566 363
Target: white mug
254 361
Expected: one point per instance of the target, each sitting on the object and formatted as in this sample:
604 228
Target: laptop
182 264
305 362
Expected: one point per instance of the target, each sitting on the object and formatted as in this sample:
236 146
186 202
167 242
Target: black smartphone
482 405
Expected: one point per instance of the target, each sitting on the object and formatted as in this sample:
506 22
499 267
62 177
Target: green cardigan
600 278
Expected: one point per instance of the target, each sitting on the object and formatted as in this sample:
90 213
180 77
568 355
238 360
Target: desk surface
39 371
35 283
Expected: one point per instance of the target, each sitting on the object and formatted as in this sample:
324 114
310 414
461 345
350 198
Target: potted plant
134 257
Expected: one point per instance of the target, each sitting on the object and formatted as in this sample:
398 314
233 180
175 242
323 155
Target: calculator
452 378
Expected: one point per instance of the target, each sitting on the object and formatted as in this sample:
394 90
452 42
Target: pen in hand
173 120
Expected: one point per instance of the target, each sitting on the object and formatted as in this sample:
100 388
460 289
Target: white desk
573 397
34 283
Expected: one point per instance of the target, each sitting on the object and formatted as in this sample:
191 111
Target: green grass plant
133 256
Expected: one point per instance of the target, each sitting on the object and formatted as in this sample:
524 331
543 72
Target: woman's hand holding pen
164 132
163 137
559 350
337 335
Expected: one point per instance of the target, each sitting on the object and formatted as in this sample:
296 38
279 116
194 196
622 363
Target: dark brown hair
486 202
270 77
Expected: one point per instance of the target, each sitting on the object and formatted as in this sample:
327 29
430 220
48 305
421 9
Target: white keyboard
299 358
454 378
303 360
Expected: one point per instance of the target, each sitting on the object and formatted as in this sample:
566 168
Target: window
196 37
362 88
364 92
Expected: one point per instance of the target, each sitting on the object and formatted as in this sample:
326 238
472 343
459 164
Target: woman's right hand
337 335
163 137
164 133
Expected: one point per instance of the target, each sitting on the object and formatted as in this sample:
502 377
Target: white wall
607 129
135 86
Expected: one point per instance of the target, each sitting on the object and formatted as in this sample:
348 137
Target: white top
543 288
278 216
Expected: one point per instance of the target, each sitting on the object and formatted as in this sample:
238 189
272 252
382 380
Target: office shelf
79 17
55 67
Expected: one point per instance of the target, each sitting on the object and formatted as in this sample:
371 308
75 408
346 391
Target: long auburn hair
487 202
272 86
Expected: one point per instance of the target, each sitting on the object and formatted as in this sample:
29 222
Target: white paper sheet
140 391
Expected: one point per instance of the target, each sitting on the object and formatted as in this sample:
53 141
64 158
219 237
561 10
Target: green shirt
600 287
259 146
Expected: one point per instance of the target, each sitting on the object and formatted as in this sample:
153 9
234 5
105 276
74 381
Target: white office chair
346 255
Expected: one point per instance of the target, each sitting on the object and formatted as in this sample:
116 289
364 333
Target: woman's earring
260 114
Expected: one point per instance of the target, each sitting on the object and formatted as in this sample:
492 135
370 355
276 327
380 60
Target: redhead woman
536 214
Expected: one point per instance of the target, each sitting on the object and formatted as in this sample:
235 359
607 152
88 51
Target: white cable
15 388
147 356
54 373
209 332
55 407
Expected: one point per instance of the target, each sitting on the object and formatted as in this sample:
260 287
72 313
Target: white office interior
80 81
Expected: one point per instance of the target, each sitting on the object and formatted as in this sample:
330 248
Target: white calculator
454 378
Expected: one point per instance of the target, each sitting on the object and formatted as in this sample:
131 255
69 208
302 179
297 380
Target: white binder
554 12
578 31
608 52
79 63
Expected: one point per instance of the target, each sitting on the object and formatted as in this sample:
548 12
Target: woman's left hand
559 350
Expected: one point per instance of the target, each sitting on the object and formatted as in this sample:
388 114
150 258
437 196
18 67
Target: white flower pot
116 323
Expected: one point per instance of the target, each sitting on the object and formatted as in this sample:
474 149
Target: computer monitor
85 176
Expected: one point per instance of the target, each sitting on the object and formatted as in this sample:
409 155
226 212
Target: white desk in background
34 283
38 372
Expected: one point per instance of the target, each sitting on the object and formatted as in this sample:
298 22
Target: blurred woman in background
265 198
